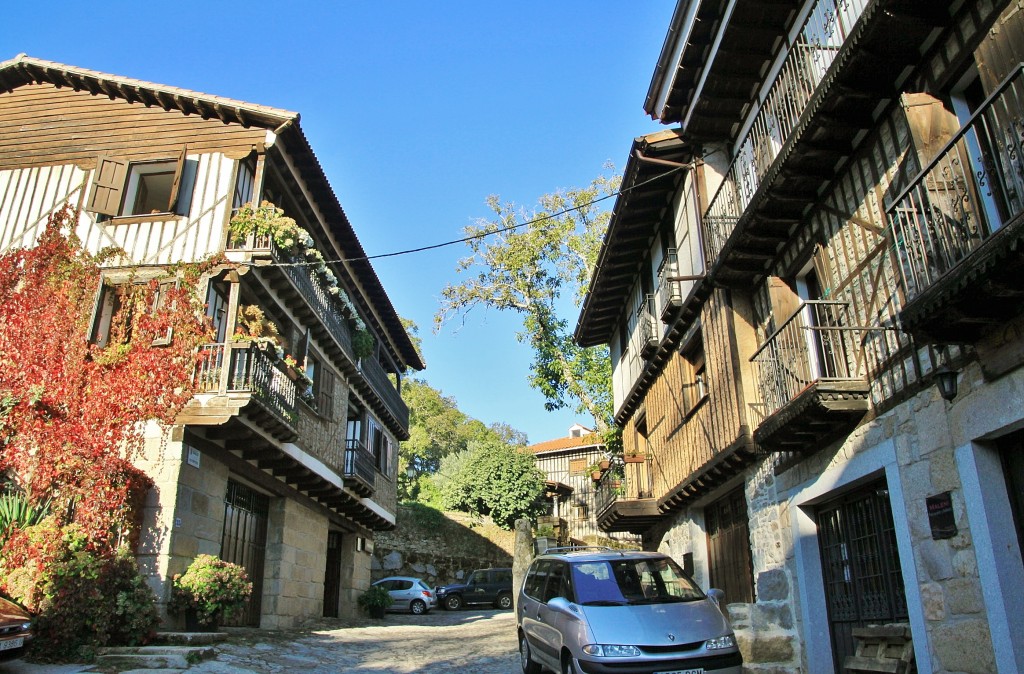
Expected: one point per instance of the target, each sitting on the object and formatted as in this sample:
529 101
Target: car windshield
632 581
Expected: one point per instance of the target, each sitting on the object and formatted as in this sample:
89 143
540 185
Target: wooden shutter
172 206
108 186
158 303
325 392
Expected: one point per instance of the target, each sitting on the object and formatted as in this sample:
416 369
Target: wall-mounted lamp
946 380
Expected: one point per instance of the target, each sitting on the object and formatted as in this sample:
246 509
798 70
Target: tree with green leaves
491 478
437 429
541 270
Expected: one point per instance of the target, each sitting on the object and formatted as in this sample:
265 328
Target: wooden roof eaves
22 70
388 322
607 271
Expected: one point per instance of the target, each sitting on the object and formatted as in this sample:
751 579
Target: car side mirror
717 596
562 605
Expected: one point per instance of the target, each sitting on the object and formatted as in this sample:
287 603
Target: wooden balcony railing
669 290
243 367
967 193
381 382
647 336
823 34
359 467
810 346
624 499
330 313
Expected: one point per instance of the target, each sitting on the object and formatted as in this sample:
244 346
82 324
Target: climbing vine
73 413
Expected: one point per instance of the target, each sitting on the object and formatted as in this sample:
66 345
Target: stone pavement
472 641
481 641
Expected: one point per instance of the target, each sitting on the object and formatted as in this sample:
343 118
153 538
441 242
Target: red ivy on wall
73 414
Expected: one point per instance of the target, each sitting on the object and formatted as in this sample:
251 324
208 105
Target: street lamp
946 381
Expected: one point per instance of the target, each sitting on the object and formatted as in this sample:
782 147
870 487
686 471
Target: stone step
153 657
189 638
127 661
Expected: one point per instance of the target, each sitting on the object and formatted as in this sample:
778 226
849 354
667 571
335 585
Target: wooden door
332 575
729 561
244 542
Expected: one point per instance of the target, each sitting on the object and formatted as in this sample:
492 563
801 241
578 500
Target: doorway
860 565
332 575
244 542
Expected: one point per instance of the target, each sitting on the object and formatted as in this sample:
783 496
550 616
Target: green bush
375 597
92 600
211 587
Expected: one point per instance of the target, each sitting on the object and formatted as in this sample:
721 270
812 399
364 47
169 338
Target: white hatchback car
409 594
603 611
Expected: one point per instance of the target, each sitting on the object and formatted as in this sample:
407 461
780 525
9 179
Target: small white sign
193 457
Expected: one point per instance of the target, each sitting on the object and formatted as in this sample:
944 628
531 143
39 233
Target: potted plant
209 590
634 457
545 538
375 601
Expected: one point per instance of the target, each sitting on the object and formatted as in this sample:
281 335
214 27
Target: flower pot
634 458
192 623
605 464
596 476
376 611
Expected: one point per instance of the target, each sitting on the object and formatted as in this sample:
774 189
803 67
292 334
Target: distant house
575 497
288 470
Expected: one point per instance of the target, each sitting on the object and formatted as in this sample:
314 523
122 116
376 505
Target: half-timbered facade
581 478
828 235
284 465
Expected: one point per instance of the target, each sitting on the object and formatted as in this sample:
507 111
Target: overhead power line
481 235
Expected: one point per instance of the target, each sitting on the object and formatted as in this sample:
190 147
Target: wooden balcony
810 384
312 303
670 293
845 62
959 227
647 333
624 501
359 468
239 378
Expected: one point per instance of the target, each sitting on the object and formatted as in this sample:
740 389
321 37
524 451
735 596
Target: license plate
695 670
13 643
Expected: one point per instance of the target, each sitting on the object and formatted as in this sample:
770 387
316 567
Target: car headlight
728 641
612 650
26 626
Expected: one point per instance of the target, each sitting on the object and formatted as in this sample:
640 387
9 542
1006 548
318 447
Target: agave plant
16 509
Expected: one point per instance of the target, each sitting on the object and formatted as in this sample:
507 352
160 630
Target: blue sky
417 112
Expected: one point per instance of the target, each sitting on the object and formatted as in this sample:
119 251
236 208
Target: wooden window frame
115 183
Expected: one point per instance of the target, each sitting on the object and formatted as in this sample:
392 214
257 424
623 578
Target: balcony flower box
634 458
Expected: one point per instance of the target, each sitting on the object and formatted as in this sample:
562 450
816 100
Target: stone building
810 288
286 466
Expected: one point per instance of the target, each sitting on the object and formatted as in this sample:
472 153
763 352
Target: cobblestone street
481 641
478 641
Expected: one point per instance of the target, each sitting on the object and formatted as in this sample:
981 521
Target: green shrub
211 587
91 601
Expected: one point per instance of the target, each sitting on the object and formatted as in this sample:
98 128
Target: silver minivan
597 610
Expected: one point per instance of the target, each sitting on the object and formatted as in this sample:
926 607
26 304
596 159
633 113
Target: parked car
409 594
603 610
15 630
484 586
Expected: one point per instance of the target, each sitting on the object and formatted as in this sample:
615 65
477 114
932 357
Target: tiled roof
589 440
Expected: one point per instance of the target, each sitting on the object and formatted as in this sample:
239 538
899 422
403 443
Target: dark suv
484 586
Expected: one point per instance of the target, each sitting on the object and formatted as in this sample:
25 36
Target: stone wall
296 560
439 548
